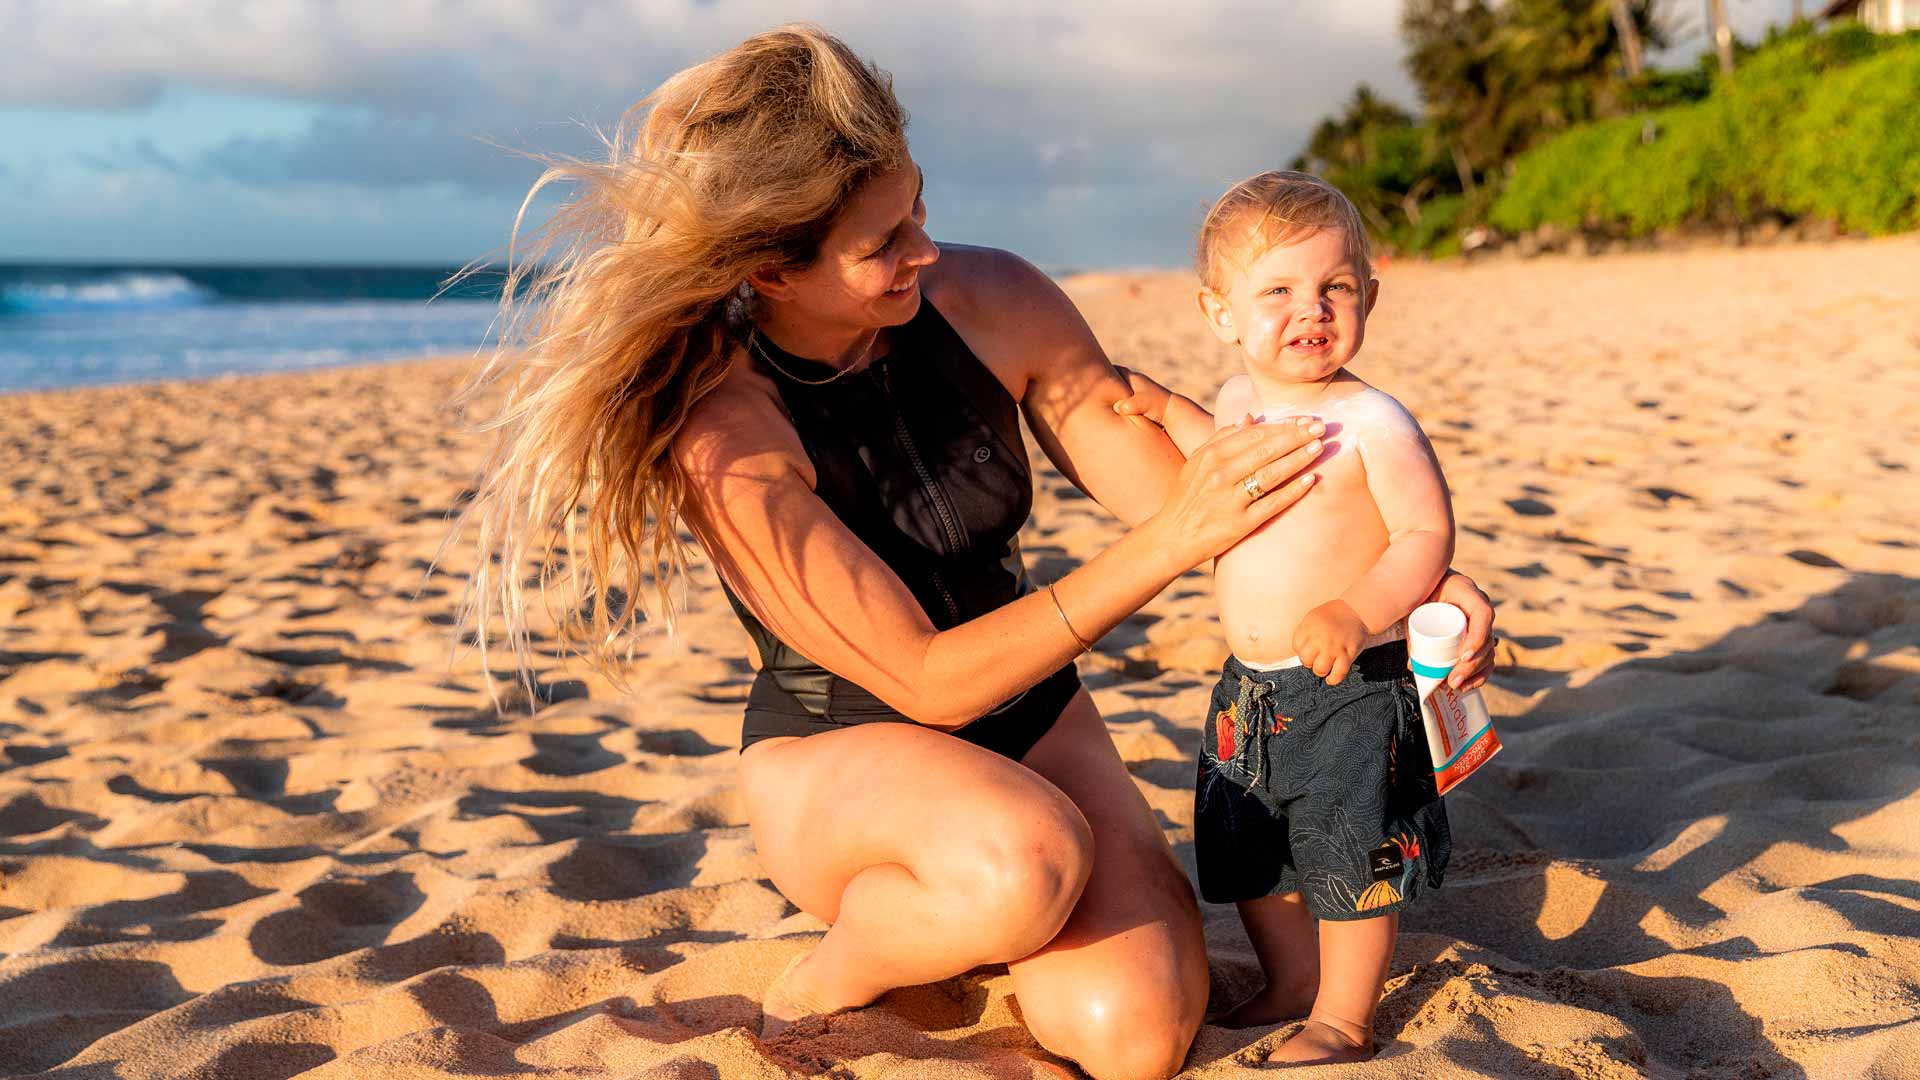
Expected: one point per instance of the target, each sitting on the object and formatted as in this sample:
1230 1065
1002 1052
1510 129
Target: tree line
1543 112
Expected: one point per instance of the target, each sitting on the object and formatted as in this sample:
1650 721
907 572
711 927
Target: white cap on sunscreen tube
1433 636
1460 734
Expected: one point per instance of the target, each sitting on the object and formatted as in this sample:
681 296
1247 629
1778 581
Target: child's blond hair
1272 208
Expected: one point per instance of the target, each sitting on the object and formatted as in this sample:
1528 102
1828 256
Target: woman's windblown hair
620 314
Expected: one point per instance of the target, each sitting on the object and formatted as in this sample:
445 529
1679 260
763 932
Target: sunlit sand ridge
252 822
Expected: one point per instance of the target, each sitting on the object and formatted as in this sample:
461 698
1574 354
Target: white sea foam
118 291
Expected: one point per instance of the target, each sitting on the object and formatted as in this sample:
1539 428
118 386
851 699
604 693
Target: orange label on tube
1460 735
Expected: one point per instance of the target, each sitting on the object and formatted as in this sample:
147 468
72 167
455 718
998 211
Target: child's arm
1184 421
1403 476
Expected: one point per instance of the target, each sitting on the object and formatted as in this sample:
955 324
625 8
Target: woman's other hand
1476 644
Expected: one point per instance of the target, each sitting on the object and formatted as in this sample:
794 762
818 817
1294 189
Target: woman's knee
1122 1034
1007 850
1021 867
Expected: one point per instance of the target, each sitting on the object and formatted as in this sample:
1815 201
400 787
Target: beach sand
257 820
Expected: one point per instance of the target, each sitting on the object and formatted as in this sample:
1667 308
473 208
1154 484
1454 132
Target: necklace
753 343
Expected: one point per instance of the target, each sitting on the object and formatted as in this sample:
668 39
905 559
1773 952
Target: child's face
1298 310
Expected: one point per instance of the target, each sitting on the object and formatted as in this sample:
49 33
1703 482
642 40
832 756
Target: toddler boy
1315 805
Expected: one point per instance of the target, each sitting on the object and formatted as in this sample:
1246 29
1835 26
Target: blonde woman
741 324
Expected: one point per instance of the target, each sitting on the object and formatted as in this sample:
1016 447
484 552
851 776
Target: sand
256 820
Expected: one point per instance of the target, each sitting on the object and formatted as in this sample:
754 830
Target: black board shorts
1321 790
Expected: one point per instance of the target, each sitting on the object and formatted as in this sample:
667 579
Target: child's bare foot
1270 1005
1321 1043
790 998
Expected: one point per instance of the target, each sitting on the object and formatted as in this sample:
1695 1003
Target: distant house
1886 16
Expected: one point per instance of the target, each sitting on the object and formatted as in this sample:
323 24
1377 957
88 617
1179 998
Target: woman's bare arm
804 574
1030 334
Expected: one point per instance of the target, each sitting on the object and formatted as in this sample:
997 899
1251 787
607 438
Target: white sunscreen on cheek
1460 735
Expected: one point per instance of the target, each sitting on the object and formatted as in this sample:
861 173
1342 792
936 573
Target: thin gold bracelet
1084 645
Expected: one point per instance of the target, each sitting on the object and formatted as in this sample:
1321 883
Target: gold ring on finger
1252 484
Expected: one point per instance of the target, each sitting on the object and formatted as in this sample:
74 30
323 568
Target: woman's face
867 274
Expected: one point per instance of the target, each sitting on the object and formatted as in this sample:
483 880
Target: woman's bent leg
928 855
1123 987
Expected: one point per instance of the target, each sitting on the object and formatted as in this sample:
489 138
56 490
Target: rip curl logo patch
1384 864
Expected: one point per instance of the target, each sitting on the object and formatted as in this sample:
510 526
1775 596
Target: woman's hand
1476 644
1235 482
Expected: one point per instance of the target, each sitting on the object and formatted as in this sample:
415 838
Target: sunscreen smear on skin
1460 734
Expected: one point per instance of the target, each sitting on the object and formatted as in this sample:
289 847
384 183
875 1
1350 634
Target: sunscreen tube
1460 735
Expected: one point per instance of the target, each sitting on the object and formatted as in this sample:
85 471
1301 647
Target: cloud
1077 132
139 155
415 83
1074 132
372 150
427 52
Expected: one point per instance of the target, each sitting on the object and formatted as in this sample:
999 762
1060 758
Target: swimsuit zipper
947 525
926 477
953 609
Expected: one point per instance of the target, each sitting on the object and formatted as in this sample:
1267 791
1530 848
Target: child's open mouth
1309 344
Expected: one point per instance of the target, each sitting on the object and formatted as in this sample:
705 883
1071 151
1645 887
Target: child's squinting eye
1341 285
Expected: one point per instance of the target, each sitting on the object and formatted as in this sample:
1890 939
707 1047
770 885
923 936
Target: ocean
90 325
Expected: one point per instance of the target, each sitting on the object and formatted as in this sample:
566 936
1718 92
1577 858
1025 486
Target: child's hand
1148 400
1328 639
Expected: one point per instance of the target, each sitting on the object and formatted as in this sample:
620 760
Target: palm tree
1629 36
1453 60
1722 34
1497 79
1373 151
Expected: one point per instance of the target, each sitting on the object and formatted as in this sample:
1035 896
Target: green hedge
1853 155
1438 232
1819 125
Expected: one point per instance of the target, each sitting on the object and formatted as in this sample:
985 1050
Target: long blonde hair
620 315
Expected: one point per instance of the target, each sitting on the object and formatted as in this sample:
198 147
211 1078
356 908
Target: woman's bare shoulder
740 429
995 286
968 273
1011 314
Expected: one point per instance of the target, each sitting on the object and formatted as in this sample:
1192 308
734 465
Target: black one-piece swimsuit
919 454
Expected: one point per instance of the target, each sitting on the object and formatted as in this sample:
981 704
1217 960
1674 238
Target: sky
1079 133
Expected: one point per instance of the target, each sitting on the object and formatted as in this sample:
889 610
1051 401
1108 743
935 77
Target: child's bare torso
1321 545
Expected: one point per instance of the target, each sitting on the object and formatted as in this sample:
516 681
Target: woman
741 324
